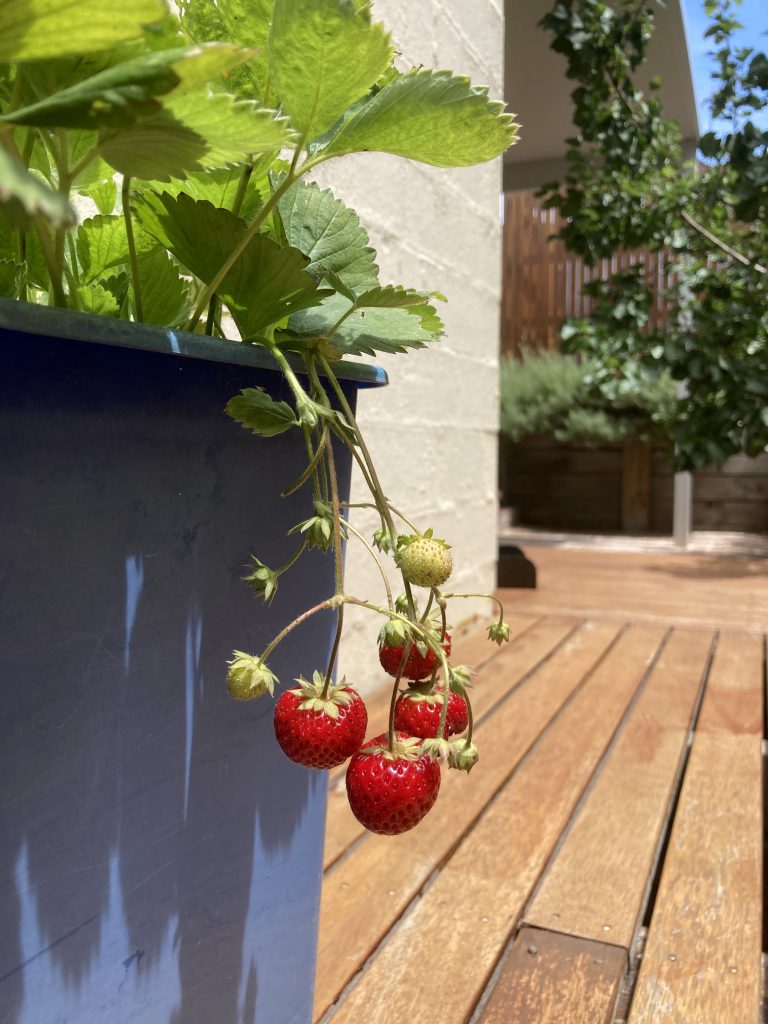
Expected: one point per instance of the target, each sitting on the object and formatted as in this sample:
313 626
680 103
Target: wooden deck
603 862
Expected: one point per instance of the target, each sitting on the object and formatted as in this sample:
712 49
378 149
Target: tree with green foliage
628 187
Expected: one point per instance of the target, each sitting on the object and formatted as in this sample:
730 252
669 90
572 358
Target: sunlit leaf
118 96
97 299
430 116
192 132
36 29
324 55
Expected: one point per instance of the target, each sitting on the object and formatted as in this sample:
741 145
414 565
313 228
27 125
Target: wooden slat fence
543 284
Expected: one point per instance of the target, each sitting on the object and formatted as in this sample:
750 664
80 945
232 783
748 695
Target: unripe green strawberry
425 561
248 677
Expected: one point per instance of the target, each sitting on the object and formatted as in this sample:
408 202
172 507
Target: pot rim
72 325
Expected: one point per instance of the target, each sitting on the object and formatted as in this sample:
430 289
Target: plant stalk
126 195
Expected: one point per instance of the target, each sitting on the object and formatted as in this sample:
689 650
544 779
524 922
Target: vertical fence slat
543 284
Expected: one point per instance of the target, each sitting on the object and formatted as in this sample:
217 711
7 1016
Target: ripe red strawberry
418 666
418 714
390 792
320 733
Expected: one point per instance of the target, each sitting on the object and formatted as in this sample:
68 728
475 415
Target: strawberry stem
330 602
376 559
395 690
490 597
311 469
338 559
377 491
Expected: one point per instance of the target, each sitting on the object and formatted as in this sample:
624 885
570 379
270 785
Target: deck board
584 736
682 590
365 894
534 642
482 888
551 978
702 958
597 885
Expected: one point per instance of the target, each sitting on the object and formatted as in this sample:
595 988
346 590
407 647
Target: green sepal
312 699
436 748
383 541
406 748
262 580
318 529
459 678
498 632
462 755
249 677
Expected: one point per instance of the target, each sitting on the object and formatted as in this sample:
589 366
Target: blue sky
753 14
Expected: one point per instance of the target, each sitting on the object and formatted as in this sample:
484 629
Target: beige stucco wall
432 432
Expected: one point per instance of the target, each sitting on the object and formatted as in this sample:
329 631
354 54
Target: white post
682 509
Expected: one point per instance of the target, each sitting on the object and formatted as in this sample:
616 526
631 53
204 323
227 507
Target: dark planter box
160 859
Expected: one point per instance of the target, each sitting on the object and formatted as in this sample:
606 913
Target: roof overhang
538 91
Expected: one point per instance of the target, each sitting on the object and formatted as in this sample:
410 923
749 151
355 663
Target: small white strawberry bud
459 678
498 632
262 579
438 749
382 540
463 755
249 677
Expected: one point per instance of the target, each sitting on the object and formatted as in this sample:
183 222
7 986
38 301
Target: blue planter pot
160 859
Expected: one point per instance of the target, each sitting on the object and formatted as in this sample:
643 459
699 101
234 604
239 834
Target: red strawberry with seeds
418 666
391 791
320 732
418 714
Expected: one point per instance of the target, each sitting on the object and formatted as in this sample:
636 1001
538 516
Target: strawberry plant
154 167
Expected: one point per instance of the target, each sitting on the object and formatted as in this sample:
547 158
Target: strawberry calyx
423 693
459 678
463 754
404 748
436 748
312 699
248 677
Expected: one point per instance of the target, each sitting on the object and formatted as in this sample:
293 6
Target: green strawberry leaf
330 234
218 187
101 243
165 296
324 55
120 95
95 298
103 194
367 331
266 284
195 131
23 193
430 116
118 285
255 410
40 29
247 22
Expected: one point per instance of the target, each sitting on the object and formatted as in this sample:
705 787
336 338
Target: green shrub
556 394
